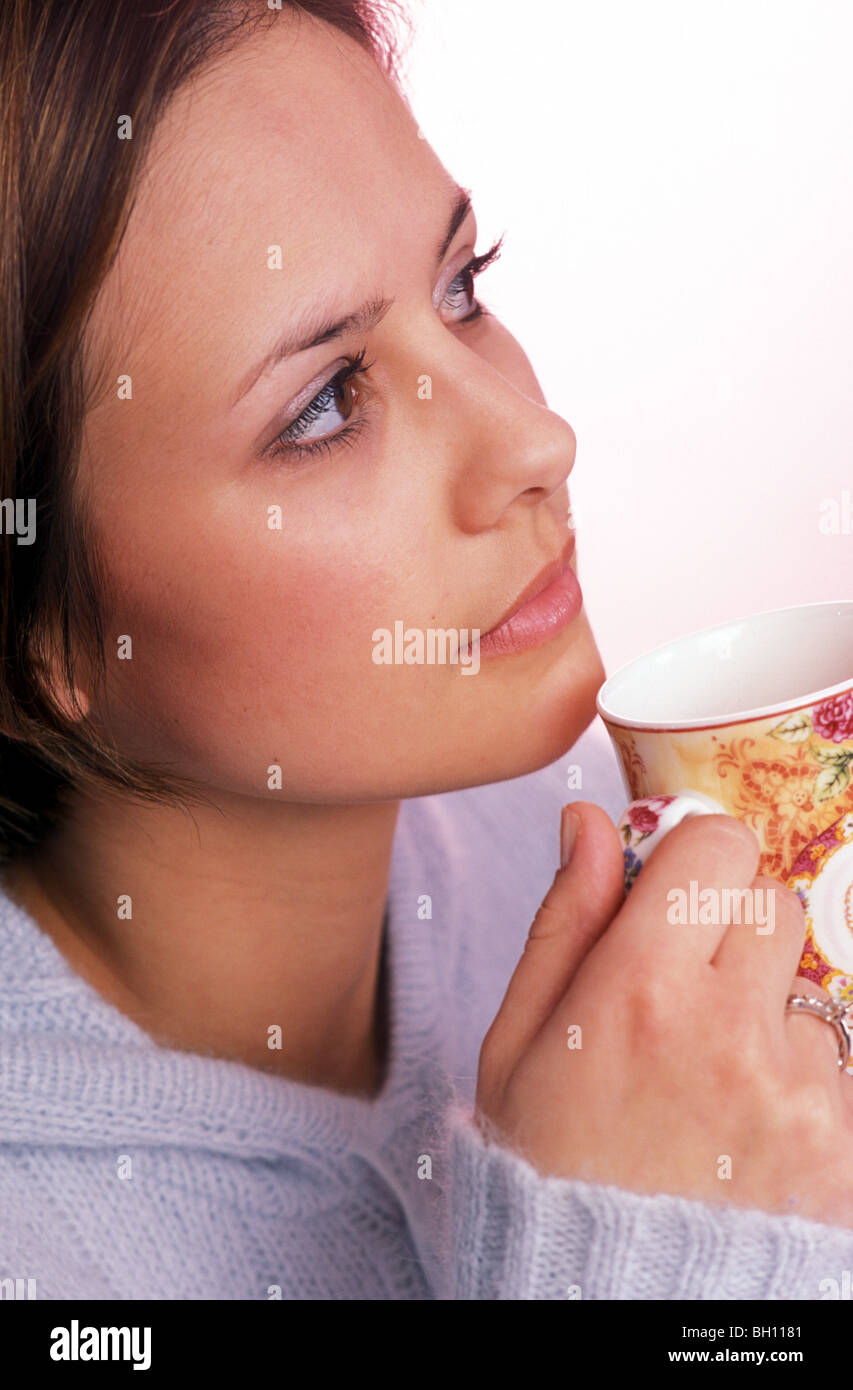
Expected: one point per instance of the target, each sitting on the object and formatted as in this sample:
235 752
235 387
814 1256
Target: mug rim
736 717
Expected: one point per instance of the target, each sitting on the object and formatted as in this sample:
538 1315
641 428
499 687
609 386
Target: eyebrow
314 329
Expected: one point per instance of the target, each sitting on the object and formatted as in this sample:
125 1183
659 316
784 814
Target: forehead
295 139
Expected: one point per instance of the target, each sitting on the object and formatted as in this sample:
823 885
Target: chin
553 706
562 704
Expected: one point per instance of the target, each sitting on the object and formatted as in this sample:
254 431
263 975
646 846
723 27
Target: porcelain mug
754 718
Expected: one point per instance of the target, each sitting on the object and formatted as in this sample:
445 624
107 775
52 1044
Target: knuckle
550 920
812 1108
743 1064
650 1008
737 1046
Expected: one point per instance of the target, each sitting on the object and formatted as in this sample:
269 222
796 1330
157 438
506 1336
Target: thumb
578 907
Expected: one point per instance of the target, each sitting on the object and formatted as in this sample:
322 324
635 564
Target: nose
504 448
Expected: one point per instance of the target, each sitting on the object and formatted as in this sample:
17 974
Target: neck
245 931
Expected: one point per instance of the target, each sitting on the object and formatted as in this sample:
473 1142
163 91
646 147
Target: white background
676 184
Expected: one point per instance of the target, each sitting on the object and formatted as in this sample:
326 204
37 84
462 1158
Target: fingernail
569 827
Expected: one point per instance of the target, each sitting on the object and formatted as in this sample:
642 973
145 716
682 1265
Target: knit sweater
131 1170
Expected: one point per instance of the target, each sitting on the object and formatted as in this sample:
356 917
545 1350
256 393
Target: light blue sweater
128 1170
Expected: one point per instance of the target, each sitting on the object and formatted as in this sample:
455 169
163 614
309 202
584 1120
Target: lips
545 577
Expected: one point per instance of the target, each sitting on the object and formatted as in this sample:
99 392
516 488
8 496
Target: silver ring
831 1011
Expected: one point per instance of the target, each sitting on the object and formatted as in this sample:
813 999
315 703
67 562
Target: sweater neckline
124 1085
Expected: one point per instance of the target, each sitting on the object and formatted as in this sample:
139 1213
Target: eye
309 434
460 292
337 397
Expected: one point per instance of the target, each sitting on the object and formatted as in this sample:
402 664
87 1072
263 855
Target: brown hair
68 72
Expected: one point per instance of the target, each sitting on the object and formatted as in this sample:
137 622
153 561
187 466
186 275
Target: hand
687 1054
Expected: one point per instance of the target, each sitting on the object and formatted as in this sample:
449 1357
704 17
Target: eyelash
285 443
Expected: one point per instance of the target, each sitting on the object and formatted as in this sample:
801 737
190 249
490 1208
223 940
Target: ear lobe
63 697
50 671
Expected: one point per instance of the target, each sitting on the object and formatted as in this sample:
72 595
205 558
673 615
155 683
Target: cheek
245 638
197 611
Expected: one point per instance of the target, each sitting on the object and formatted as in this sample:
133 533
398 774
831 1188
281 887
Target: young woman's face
284 189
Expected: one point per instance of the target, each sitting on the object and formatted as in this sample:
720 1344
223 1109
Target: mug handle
644 823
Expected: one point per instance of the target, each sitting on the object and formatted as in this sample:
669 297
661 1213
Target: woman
249 953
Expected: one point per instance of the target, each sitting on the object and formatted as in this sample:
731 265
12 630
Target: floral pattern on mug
832 720
787 800
640 820
834 928
643 817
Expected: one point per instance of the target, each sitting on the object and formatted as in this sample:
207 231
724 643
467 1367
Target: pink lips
548 604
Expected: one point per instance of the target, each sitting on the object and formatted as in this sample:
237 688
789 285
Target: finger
813 1040
762 948
579 906
669 913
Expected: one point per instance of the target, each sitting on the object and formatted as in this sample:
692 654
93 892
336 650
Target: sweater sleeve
517 1234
